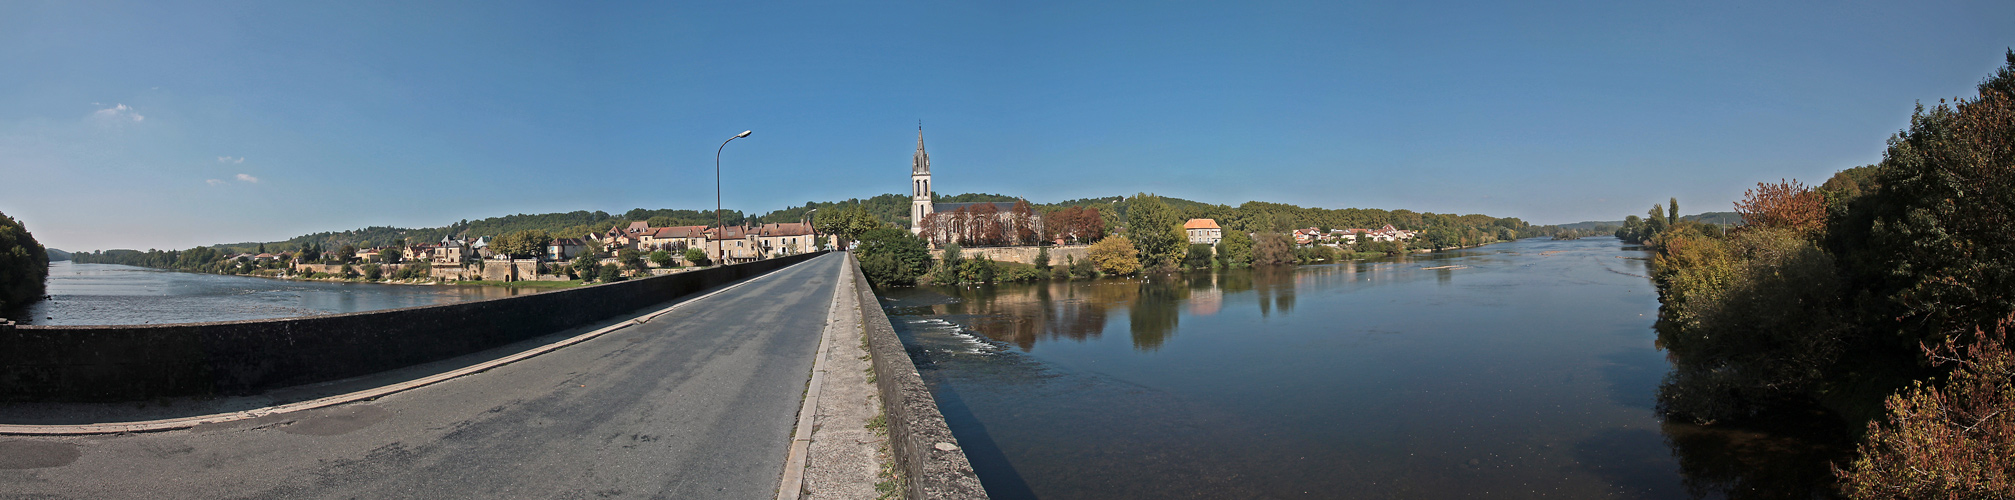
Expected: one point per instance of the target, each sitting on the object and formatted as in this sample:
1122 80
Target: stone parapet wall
918 435
138 362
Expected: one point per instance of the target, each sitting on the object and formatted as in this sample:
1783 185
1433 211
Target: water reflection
1523 369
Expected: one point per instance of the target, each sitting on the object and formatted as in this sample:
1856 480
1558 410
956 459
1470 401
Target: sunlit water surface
1516 370
111 294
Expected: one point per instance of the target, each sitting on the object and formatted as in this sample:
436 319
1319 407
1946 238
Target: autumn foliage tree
1114 256
1785 204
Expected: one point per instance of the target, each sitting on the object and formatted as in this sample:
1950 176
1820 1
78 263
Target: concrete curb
793 483
373 393
934 465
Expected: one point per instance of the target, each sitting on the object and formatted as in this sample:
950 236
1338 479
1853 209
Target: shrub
663 258
1235 249
698 257
374 272
1115 256
978 269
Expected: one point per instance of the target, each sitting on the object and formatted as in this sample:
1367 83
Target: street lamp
719 226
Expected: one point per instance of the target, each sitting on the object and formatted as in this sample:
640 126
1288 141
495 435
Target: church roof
948 207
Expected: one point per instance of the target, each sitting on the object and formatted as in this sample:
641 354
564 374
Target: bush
349 272
610 274
413 270
1114 256
698 257
663 259
374 272
979 269
1955 440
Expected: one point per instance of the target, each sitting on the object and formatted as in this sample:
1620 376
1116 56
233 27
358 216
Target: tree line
1884 294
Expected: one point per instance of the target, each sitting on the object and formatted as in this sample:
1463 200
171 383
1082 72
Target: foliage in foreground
1953 440
24 264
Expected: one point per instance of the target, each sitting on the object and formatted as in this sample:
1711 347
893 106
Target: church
984 223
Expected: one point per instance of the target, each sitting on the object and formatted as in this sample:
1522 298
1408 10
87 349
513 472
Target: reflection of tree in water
1789 460
1156 311
1274 287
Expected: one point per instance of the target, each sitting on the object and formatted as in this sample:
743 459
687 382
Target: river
1517 370
112 294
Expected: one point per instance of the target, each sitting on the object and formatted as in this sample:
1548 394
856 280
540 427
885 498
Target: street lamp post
721 228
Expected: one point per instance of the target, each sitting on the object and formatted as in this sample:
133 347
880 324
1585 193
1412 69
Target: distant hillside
58 255
1724 218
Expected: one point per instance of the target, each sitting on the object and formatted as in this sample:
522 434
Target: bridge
698 400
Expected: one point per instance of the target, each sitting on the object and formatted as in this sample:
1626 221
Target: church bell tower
920 185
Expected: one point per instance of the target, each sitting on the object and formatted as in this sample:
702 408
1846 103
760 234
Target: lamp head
745 133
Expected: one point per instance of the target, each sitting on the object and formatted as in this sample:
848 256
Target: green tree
346 253
1672 213
1114 256
892 257
947 272
392 255
374 272
697 256
631 258
1198 257
525 244
1155 230
24 265
1235 249
1042 260
662 258
610 274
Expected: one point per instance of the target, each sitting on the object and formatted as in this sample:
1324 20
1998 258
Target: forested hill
893 209
1723 218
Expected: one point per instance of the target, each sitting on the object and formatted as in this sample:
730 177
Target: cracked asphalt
698 403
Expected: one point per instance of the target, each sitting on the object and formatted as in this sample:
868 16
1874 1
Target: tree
522 244
1235 249
662 258
631 258
1272 249
1042 260
1155 230
586 267
1198 257
1672 213
346 253
891 257
609 274
374 272
1024 221
1114 256
1786 204
24 265
392 255
697 256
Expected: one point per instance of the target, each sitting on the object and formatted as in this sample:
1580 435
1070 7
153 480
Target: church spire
921 163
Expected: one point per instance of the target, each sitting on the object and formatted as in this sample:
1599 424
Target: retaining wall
916 427
1023 255
134 362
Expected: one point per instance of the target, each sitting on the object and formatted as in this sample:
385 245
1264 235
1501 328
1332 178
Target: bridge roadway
698 403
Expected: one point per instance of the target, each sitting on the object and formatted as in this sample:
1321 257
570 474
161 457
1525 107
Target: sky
176 124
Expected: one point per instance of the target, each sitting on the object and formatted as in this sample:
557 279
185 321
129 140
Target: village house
787 238
563 249
1203 231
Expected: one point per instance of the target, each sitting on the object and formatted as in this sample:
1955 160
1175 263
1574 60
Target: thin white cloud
227 159
215 182
120 112
248 178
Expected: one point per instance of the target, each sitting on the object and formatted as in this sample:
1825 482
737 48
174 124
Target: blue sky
170 124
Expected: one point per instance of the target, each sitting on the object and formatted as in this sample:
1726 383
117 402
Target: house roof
785 229
1200 224
639 226
679 232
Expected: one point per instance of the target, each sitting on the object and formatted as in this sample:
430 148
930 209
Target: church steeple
921 163
921 204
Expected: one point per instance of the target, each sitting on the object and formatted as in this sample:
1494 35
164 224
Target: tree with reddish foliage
1023 218
986 222
1786 204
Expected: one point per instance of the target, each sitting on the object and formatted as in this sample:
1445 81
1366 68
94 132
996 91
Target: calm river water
111 294
1526 370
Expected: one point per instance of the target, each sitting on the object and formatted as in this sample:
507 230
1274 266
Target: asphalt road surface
698 403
